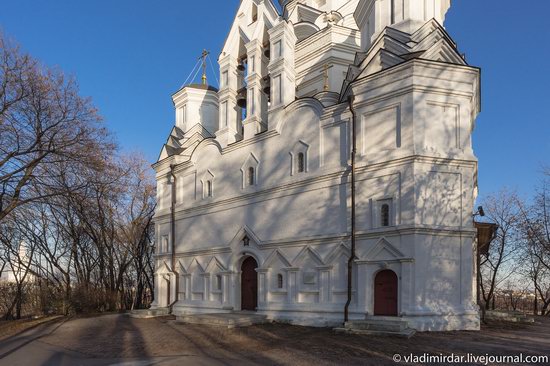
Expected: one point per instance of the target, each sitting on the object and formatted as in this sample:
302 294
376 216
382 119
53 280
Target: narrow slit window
218 282
250 177
209 188
301 163
385 215
279 281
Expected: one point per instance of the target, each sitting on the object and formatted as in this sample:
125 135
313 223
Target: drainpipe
173 234
352 255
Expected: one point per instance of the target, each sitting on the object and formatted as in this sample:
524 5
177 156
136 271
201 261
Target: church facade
339 138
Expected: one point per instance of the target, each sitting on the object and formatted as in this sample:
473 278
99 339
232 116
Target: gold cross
204 55
326 67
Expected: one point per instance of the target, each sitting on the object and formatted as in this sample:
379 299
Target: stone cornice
330 177
395 231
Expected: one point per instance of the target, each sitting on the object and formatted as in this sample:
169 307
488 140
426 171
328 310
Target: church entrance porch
385 293
249 284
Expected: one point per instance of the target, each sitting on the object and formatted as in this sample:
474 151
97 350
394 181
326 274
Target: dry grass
9 328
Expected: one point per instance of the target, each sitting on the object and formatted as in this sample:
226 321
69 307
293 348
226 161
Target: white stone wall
413 127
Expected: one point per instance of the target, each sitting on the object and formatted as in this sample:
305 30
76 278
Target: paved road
26 349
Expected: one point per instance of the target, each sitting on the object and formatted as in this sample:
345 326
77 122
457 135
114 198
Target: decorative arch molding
238 257
383 251
239 250
208 176
250 162
306 102
236 242
274 256
215 265
339 250
181 267
306 252
203 145
305 29
327 98
299 146
195 264
164 268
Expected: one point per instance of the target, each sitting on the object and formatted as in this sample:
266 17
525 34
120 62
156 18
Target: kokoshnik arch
254 181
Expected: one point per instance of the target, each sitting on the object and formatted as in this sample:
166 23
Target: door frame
397 291
239 279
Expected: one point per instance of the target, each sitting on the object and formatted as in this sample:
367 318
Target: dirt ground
113 336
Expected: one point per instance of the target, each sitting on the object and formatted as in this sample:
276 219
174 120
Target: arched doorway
249 284
385 293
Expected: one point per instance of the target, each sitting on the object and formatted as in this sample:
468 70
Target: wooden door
385 293
249 284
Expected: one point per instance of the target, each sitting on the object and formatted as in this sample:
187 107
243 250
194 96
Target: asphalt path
27 349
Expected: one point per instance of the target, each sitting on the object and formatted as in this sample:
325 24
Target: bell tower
372 16
322 5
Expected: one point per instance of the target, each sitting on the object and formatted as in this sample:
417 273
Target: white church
331 177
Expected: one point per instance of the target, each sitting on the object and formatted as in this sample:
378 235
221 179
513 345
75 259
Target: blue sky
131 55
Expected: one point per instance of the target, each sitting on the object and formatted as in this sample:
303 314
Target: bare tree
535 225
500 262
82 211
43 122
18 255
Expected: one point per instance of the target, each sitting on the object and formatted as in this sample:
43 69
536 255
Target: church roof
202 86
392 47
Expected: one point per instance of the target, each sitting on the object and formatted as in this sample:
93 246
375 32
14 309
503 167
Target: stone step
229 320
406 333
384 325
149 313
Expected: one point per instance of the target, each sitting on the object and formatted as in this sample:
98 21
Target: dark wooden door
249 284
385 293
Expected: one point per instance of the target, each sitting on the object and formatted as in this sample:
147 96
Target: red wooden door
385 293
249 284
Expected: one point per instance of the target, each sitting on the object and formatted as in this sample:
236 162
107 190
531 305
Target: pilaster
229 121
256 119
292 276
281 66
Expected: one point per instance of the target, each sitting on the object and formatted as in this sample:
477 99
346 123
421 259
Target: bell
241 101
241 97
266 81
240 67
267 53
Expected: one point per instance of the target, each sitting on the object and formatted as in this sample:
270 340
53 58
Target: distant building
260 170
17 271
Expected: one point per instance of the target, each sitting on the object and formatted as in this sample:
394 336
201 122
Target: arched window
279 281
301 163
209 188
250 177
385 215
218 282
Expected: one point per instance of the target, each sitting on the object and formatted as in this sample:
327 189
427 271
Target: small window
209 188
279 281
184 112
250 178
164 244
225 79
218 282
385 215
301 163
